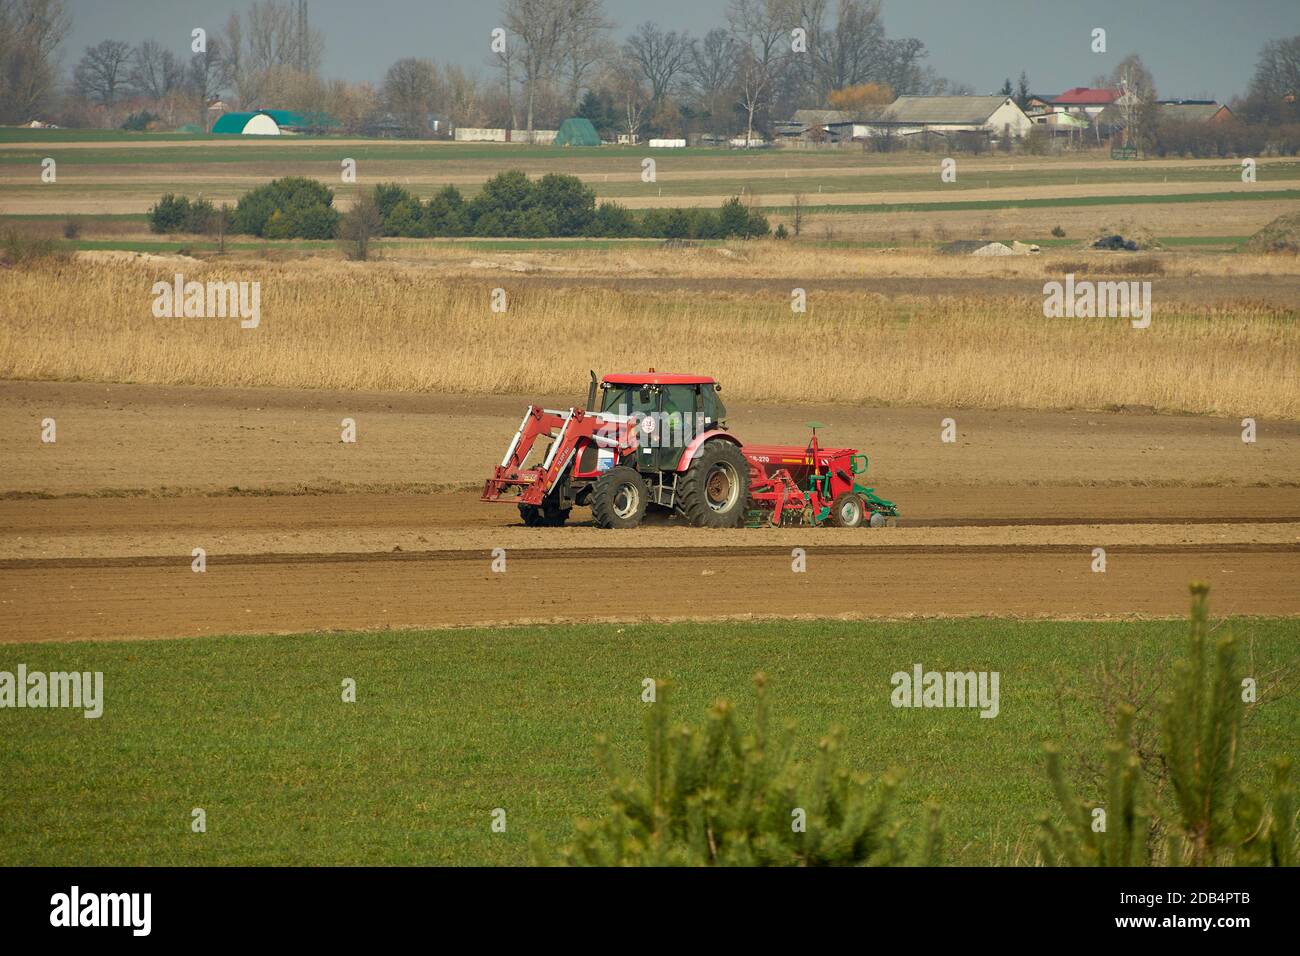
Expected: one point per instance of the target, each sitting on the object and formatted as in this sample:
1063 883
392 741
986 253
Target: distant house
1194 111
909 115
1062 122
1039 104
1087 100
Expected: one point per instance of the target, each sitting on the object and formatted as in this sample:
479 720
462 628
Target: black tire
619 498
714 490
549 515
847 511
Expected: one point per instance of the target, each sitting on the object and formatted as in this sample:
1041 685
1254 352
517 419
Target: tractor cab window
680 399
630 399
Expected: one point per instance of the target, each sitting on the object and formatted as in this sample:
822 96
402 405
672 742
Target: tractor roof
656 378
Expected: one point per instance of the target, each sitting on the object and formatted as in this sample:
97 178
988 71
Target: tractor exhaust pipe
591 392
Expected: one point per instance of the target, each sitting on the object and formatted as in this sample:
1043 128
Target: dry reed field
386 326
799 260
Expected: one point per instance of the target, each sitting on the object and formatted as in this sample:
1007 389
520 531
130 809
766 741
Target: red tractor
661 441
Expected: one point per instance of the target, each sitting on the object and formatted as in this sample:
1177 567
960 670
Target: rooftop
972 110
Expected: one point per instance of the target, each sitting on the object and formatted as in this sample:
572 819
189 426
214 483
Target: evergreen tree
1215 819
715 796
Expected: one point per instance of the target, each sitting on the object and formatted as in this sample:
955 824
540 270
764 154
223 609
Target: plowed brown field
97 530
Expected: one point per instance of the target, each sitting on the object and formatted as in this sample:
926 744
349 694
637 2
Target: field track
120 568
97 601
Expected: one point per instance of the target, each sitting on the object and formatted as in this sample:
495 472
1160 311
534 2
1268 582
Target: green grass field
451 724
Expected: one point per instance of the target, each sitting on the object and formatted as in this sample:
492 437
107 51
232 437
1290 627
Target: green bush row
509 205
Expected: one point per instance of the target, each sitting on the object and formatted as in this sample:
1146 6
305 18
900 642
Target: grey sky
1193 47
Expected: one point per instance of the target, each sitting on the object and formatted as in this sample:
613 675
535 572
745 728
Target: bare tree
101 74
232 47
360 225
845 54
632 97
410 92
540 25
797 217
584 46
209 72
660 56
712 69
506 60
1274 94
155 71
761 31
30 34
464 103
276 50
753 86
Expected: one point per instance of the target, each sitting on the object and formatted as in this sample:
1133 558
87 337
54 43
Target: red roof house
1082 96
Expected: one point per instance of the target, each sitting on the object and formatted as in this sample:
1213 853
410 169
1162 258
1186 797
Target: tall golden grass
388 327
770 258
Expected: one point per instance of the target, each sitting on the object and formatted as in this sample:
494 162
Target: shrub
139 122
20 249
612 220
678 224
1058 232
72 227
504 195
290 208
780 232
359 227
174 213
572 204
388 197
1213 819
405 219
445 215
717 796
733 218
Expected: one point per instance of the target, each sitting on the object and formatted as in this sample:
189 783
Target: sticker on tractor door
604 459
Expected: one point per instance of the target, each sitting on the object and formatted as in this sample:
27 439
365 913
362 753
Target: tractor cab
670 411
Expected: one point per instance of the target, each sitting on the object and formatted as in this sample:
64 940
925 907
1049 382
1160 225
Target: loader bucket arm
565 429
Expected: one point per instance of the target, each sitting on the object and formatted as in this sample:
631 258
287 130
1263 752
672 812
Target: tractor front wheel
714 491
548 515
619 498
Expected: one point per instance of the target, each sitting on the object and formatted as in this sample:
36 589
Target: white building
909 115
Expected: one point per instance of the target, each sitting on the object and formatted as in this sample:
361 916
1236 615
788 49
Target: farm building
247 124
577 131
1194 111
271 123
820 126
909 115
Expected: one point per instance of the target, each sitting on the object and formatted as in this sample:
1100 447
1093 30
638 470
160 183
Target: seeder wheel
847 511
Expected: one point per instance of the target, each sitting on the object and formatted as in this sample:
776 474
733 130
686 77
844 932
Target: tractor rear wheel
619 498
847 511
714 491
548 515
